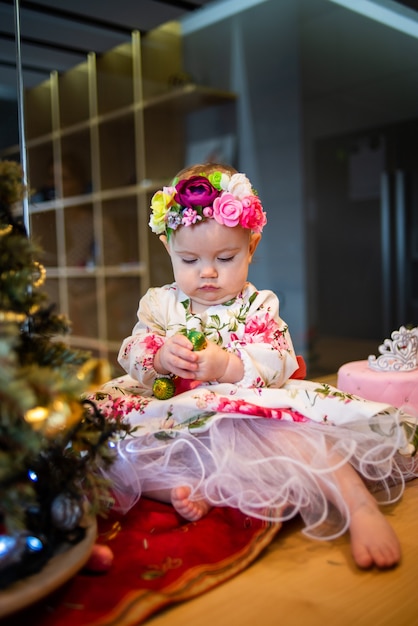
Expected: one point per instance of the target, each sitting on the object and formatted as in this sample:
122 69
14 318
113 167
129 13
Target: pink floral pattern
196 409
120 407
231 405
264 329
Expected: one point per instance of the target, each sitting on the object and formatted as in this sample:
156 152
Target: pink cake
392 377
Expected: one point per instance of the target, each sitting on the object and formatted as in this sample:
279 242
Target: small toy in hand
198 339
164 387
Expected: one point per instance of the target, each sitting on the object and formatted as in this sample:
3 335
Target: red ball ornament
100 560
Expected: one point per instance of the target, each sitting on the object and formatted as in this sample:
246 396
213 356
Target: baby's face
210 261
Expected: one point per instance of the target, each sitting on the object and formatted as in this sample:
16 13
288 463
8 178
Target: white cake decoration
398 354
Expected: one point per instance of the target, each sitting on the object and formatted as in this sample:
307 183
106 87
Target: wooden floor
301 582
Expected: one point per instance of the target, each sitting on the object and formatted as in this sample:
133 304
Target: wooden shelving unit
101 139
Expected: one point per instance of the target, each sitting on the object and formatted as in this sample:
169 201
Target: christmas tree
52 441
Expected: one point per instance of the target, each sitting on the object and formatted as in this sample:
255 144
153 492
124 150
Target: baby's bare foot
191 510
373 540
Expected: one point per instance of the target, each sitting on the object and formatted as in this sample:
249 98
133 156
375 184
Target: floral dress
249 326
267 445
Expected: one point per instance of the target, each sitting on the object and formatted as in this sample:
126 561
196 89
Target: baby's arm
265 346
137 352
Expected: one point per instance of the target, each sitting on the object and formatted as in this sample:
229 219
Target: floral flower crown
230 200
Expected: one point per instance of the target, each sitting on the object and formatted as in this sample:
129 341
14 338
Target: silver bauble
66 512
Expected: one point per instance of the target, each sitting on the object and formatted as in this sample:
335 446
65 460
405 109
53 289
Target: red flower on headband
195 191
253 216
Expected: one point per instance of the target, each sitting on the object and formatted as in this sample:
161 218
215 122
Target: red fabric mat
159 559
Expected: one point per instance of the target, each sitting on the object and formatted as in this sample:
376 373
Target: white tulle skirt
272 453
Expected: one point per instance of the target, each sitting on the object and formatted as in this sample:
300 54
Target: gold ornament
37 416
11 316
38 282
163 388
34 309
198 340
63 416
56 417
6 230
95 373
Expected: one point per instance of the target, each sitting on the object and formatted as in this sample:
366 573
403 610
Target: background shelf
101 138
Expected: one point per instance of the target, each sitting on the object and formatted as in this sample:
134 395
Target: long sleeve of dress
249 325
262 341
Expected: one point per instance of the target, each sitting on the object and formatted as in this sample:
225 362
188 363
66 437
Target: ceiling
57 34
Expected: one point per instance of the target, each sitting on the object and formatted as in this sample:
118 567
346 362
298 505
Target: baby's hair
207 168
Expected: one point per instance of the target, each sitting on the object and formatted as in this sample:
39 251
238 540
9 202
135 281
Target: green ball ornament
198 339
163 388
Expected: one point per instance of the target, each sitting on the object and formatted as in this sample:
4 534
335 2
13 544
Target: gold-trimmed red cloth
159 559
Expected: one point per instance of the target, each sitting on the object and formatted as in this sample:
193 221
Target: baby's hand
214 363
176 357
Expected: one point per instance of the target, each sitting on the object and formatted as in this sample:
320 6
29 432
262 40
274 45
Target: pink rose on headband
227 209
195 191
253 216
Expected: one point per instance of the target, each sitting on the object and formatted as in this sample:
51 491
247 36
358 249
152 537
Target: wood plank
331 379
300 581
